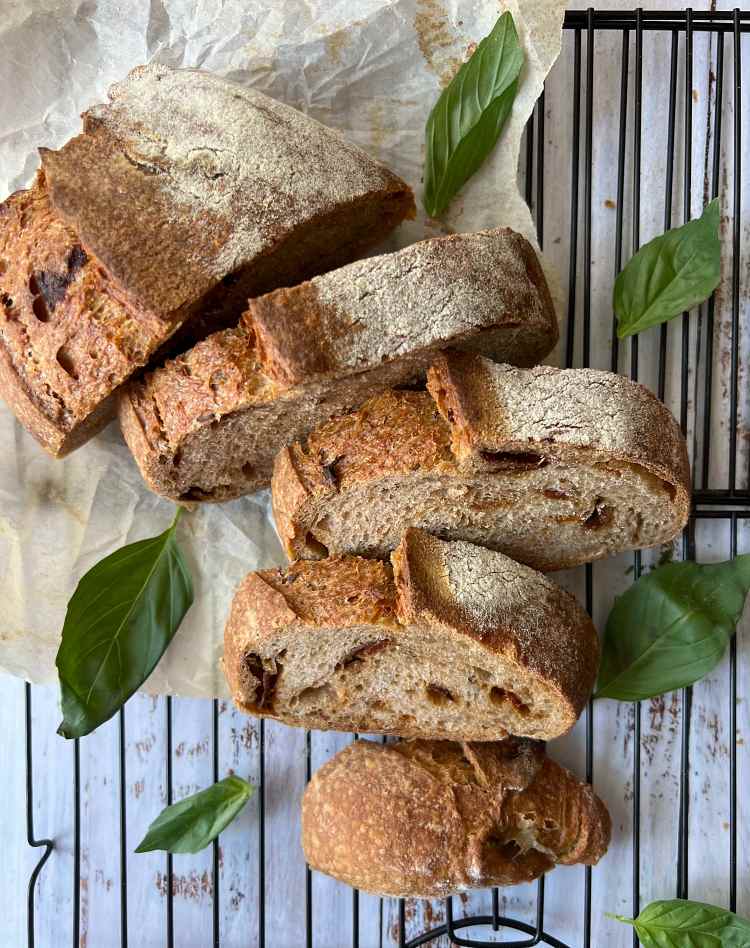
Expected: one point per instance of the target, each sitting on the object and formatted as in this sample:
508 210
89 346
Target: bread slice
430 819
207 425
183 196
552 467
454 641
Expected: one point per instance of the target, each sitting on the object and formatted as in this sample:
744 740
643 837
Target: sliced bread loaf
208 424
183 196
430 819
552 467
454 641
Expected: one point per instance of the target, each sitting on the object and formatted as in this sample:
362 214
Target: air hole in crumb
3 266
314 693
438 695
33 285
500 696
315 546
554 494
6 300
514 460
531 816
248 470
601 516
549 824
41 312
66 361
177 457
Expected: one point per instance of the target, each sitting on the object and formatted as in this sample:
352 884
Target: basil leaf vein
191 824
669 275
671 627
469 116
120 620
681 923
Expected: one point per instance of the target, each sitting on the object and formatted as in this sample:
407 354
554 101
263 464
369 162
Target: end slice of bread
552 467
454 641
429 819
208 425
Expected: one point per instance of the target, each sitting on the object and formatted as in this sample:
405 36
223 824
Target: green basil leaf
470 114
191 824
669 274
679 923
671 627
119 622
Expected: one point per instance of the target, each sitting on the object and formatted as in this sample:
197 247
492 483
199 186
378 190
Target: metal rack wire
728 503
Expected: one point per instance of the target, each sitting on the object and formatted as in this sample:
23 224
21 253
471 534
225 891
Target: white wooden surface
285 749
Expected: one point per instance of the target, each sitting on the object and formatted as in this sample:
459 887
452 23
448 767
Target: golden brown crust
346 451
68 336
494 408
496 422
374 309
505 606
344 591
324 346
460 592
429 819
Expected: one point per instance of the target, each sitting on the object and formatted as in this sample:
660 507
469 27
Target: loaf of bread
552 467
429 819
183 196
207 425
454 642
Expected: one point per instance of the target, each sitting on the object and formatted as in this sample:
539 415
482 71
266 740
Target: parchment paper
369 67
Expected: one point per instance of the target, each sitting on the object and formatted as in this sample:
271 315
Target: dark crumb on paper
610 203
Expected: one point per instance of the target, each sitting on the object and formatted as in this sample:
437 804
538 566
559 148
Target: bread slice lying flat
552 467
454 641
207 425
185 194
429 819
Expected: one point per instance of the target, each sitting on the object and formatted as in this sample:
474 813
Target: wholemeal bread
183 196
207 425
454 642
552 467
429 819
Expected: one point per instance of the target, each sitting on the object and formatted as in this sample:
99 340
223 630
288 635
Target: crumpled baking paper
371 68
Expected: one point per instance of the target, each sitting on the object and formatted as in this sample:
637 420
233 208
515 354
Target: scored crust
207 425
530 650
428 819
159 219
485 442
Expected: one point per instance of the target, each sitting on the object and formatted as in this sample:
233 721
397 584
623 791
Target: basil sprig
191 824
679 923
669 274
119 622
470 114
671 627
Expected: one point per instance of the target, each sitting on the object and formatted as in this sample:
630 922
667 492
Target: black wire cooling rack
727 503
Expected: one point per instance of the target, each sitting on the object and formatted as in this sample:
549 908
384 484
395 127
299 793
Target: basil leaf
470 114
191 824
669 274
119 622
671 627
679 923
